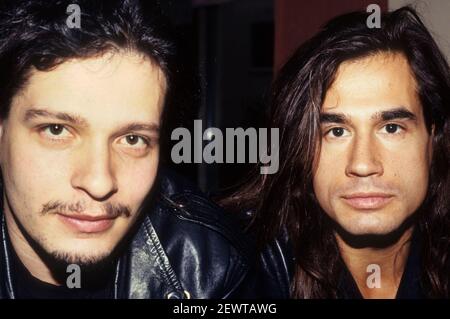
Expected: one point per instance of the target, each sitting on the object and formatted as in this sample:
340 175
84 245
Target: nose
94 173
364 159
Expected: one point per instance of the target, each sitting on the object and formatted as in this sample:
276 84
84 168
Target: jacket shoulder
205 245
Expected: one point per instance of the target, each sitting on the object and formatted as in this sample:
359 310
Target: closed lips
367 200
88 217
367 195
88 223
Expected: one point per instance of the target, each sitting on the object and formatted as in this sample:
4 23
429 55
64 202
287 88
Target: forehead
113 86
371 84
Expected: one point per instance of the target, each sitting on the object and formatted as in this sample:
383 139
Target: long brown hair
286 201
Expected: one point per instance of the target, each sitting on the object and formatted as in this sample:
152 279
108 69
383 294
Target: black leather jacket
184 247
272 271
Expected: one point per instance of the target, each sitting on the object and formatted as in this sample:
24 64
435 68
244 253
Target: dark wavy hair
34 34
286 202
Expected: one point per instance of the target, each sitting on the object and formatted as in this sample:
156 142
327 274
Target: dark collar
410 285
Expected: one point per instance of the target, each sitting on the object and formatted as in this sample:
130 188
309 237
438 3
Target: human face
375 155
79 152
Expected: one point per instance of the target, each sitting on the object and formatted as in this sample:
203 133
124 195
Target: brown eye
132 139
392 128
338 131
57 133
56 129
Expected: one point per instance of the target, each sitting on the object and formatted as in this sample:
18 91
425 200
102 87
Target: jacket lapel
149 272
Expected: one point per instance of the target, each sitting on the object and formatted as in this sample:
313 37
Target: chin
367 224
89 254
78 251
371 229
68 257
369 233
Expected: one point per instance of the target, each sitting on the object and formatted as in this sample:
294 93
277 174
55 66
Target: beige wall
436 16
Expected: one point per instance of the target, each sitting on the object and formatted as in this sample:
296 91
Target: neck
27 255
382 278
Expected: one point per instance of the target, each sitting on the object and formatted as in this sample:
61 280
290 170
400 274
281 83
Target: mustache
111 210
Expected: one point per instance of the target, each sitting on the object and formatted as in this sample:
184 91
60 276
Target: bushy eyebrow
152 127
80 121
387 115
395 114
338 118
63 116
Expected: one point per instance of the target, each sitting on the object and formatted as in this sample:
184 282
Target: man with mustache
360 205
86 212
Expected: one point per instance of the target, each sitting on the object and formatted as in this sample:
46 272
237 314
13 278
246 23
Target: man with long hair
360 205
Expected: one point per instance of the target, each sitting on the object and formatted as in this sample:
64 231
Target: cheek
326 177
411 172
137 180
42 171
320 190
27 166
31 180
